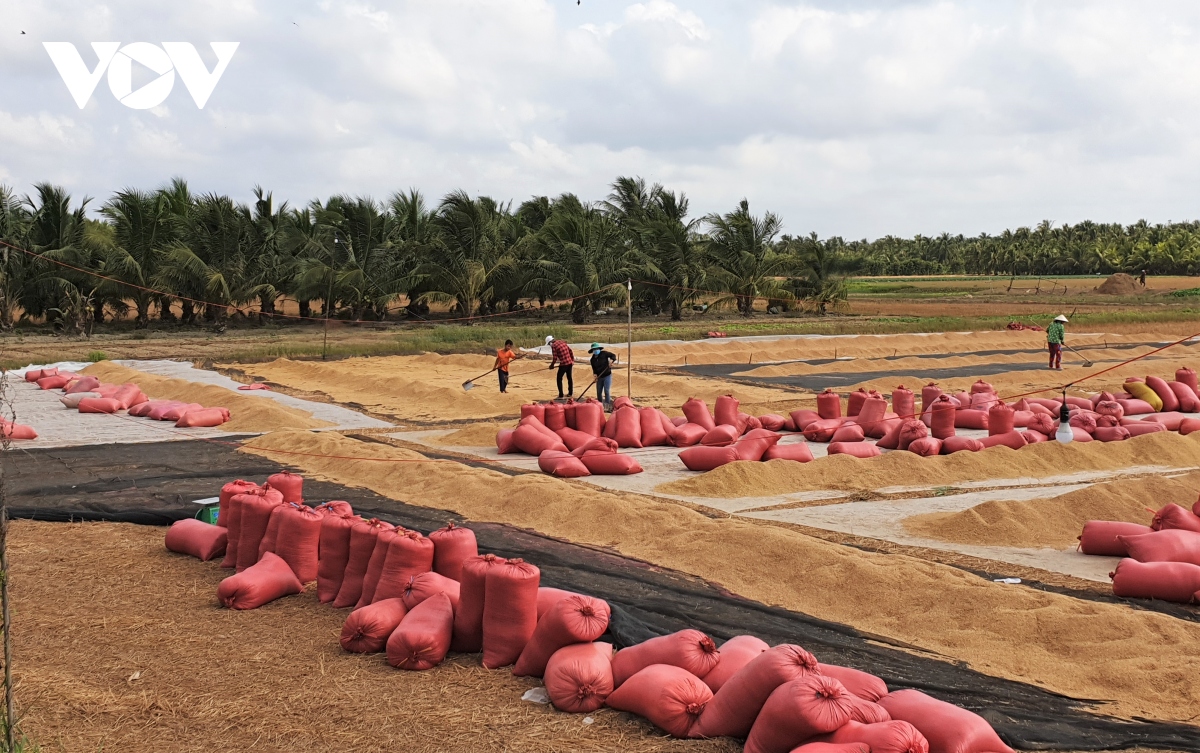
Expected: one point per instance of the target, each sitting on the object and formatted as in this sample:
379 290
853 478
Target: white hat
549 339
1060 318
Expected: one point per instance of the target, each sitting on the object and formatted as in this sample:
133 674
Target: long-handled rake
1086 363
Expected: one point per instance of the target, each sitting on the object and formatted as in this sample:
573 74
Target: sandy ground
121 645
1081 649
428 388
247 413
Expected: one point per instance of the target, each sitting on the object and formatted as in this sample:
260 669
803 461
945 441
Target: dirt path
1082 649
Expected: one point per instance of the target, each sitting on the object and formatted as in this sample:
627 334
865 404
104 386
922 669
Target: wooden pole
629 341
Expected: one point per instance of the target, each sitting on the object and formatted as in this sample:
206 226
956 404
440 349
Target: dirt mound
1081 649
1056 522
158 645
1119 284
842 472
247 413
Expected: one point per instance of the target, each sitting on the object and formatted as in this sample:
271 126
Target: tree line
174 255
1086 248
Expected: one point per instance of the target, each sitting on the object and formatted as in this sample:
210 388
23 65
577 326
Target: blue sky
857 118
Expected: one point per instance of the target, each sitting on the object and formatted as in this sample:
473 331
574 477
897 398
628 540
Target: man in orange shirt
504 357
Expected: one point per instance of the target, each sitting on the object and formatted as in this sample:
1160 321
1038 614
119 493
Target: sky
854 118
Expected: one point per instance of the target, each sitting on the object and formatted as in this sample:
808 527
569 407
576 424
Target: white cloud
857 119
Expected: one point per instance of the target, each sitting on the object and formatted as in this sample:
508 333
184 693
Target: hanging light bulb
1064 434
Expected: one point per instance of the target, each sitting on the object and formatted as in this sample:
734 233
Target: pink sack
1135 407
509 611
534 410
1189 402
422 639
798 452
942 417
848 433
755 444
855 449
1171 421
206 417
1188 425
829 404
726 410
375 565
197 538
629 427
423 586
554 417
1183 374
85 384
854 402
1148 426
1014 440
696 411
179 411
468 619
832 748
99 405
736 705
452 545
823 429
573 438
1000 419
721 436
736 653
333 555
561 464
610 463
798 711
689 649
35 374
367 628
910 431
707 458
363 537
958 444
267 580
299 539
1169 581
904 402
1172 545
530 441
802 418
882 737
574 619
1164 392
970 419
548 597
948 728
1111 433
256 515
926 447
1172 516
13 430
589 418
598 444
579 677
772 421
862 684
689 434
409 554
653 433
1103 537
53 382
871 416
670 697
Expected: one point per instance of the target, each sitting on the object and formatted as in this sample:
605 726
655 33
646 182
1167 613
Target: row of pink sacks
88 394
1162 560
777 698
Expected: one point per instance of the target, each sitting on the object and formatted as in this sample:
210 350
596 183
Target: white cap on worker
1060 318
549 339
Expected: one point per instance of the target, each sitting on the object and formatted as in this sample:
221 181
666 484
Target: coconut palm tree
471 255
583 256
742 258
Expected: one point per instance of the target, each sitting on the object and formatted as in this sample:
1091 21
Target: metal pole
328 302
10 711
629 342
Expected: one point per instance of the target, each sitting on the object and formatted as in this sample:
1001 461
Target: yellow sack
1143 392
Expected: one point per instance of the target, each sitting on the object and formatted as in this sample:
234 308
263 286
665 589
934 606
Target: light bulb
1064 433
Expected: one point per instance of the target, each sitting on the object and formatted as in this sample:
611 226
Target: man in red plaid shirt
561 356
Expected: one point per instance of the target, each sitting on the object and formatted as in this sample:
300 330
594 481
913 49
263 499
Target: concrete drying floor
879 519
59 426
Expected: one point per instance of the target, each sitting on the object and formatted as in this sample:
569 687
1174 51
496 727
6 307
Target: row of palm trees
185 257
1086 248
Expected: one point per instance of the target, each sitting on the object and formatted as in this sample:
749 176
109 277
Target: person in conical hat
1055 337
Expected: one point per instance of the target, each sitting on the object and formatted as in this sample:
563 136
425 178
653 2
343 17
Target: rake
1086 363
